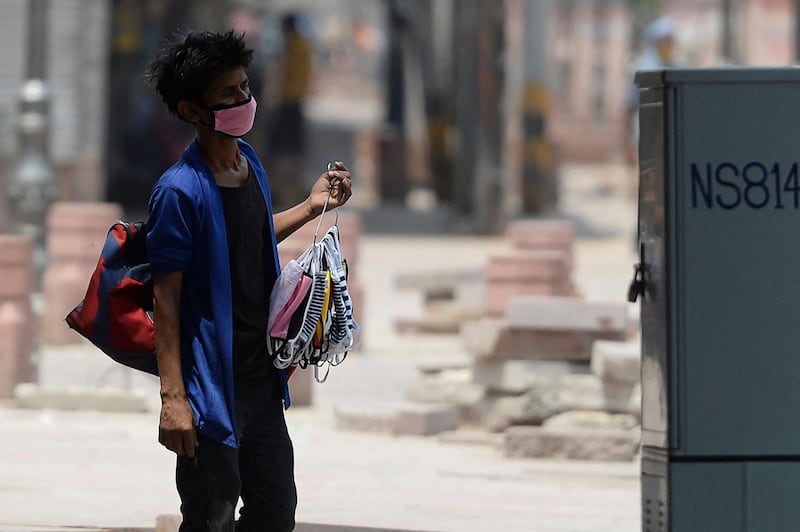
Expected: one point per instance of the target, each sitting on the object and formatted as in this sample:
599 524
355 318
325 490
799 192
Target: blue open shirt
186 233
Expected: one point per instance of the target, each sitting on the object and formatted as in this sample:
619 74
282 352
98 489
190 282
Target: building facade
593 48
96 51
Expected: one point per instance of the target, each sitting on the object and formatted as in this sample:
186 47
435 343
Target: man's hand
176 429
339 177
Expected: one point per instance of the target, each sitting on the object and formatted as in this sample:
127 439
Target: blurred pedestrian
287 138
211 240
658 52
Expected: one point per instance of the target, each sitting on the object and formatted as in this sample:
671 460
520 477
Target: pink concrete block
82 245
564 313
16 266
529 266
75 237
492 339
541 234
77 231
64 286
498 294
68 215
301 387
12 331
426 420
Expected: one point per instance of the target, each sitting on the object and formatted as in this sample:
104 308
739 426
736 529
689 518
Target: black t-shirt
252 275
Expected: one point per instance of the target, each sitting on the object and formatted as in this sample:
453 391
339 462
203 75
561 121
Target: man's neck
220 152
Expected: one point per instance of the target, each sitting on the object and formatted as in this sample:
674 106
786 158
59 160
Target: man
287 134
658 51
212 241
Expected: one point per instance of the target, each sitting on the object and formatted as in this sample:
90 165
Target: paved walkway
92 470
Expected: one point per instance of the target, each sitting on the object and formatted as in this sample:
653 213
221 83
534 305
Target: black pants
261 471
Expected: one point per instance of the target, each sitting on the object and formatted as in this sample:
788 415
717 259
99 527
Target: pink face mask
234 120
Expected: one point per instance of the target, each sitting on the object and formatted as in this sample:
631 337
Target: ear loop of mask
325 206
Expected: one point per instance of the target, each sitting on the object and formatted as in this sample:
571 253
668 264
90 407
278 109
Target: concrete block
12 331
541 234
592 420
64 286
571 443
16 267
442 281
28 395
16 289
550 395
426 420
301 387
617 361
440 317
77 230
471 437
397 418
500 293
624 397
446 388
84 366
494 339
168 523
76 233
529 266
547 396
604 320
515 376
80 215
365 418
456 362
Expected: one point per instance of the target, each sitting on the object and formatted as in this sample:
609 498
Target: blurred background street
101 470
490 238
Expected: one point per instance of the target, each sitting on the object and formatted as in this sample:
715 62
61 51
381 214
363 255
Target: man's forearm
288 221
166 311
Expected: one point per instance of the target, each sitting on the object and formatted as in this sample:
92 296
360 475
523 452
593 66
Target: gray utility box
719 229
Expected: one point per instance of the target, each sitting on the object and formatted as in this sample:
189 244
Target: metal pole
538 184
727 30
797 31
731 50
467 115
37 31
32 187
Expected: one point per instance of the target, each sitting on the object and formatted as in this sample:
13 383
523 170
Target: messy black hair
185 67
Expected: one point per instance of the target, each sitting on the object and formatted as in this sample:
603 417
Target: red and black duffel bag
116 314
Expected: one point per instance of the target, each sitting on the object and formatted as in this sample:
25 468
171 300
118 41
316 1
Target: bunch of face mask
311 319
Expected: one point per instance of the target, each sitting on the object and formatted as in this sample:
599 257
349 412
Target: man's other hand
337 177
176 430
